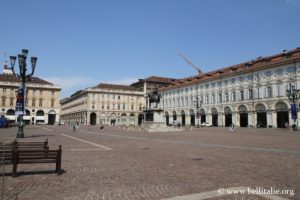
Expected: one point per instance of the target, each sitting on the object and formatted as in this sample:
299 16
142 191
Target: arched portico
261 115
228 116
243 116
214 114
282 114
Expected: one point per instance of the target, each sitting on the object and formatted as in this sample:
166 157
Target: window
41 92
4 90
132 106
107 107
114 107
226 97
124 106
52 93
40 102
220 97
233 96
118 106
250 94
269 91
52 103
102 107
33 92
258 94
33 103
242 95
114 96
11 102
119 97
213 99
207 99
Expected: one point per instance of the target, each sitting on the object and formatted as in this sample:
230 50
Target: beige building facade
42 101
104 104
249 94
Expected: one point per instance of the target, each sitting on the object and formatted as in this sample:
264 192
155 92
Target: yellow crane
190 63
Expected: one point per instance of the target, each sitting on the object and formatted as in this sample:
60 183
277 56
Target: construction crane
190 62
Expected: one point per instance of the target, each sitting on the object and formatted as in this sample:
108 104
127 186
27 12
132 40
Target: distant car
3 122
206 124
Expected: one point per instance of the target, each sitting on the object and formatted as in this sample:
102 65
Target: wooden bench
35 156
29 153
25 145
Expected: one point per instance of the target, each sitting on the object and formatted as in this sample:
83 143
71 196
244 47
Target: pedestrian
231 128
74 128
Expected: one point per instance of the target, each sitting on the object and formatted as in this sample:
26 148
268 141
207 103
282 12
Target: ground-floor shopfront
105 118
261 114
40 116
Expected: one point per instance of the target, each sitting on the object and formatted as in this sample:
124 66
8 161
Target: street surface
116 164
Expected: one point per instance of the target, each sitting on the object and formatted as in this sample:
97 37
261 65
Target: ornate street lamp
198 103
293 96
20 105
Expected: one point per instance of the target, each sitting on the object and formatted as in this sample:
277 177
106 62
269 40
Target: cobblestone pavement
120 164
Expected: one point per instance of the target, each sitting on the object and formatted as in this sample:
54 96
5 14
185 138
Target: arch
214 110
182 112
167 117
140 119
214 114
242 109
243 115
260 107
113 119
93 118
281 106
282 114
192 115
174 115
40 113
10 112
132 115
228 116
27 112
51 117
261 115
202 115
123 115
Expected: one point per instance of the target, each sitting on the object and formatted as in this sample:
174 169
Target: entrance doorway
51 117
228 116
182 118
214 114
282 114
192 114
243 116
167 118
93 118
261 116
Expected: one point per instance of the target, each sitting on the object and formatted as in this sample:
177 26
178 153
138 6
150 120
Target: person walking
231 128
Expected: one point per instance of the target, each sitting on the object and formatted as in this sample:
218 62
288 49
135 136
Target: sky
80 43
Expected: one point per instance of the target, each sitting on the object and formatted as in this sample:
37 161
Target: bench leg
14 172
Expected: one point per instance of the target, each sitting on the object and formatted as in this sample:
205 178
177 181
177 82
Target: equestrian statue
154 97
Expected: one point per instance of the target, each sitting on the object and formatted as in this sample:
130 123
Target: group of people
76 126
231 128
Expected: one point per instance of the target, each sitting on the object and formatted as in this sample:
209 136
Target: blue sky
82 43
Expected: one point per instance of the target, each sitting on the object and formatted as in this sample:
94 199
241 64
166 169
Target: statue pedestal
154 122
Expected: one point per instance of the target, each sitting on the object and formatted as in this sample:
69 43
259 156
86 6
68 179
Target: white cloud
70 82
123 81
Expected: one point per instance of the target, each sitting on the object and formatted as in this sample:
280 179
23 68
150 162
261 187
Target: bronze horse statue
154 97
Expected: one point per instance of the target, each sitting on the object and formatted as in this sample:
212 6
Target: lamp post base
20 133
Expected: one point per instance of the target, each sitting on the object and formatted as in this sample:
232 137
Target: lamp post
293 96
198 103
20 105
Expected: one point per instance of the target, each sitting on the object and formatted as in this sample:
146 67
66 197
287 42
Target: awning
40 117
10 117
